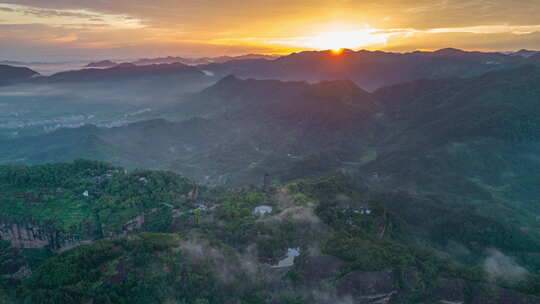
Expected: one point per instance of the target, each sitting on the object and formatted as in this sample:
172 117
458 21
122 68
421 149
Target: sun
339 40
337 51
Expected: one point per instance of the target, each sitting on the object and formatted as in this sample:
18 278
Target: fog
500 266
42 107
48 68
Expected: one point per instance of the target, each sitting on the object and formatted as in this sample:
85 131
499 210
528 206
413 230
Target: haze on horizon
53 30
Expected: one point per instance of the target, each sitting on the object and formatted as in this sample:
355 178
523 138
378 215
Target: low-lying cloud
500 266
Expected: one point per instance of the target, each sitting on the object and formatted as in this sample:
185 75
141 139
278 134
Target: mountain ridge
371 69
11 74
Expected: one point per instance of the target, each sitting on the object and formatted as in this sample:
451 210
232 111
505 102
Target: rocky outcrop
23 273
38 234
13 265
319 268
451 290
368 287
24 235
134 224
459 291
31 234
489 293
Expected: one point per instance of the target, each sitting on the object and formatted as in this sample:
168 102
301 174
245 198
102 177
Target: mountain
127 70
468 138
253 126
250 98
525 53
223 59
125 79
202 60
454 138
300 122
250 124
370 70
247 124
166 60
11 74
154 236
499 104
467 144
101 64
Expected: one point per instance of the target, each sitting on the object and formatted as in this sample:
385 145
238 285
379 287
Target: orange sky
82 29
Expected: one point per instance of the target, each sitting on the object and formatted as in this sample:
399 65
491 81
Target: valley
162 184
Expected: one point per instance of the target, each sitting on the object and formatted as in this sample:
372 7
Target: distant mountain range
221 121
253 123
418 136
11 74
127 70
524 53
369 70
101 64
123 76
372 70
184 60
202 60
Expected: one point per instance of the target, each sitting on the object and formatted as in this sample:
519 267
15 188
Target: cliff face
30 234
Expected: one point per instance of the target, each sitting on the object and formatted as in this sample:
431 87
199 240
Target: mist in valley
43 107
242 160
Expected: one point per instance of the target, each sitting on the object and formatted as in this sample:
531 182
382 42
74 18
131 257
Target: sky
63 30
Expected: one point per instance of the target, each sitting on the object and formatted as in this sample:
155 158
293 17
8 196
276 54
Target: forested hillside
151 236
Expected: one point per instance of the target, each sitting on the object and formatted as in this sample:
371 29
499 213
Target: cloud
21 14
500 266
68 38
227 267
420 14
46 13
174 27
490 29
502 41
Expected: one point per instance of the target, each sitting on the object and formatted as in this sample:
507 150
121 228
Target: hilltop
156 236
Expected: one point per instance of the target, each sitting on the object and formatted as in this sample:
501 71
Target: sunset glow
30 29
346 40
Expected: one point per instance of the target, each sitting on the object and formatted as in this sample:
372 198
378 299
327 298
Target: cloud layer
123 28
